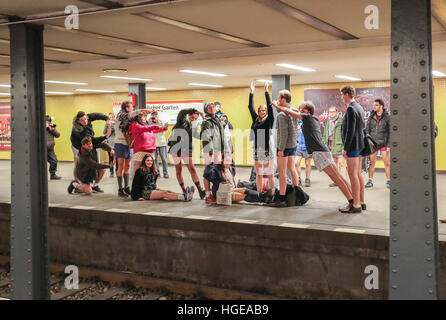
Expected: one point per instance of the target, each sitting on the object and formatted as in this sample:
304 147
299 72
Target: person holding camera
50 143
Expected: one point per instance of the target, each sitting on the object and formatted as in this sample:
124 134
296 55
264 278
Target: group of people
280 140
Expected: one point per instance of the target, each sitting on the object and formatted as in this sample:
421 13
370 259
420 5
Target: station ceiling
243 39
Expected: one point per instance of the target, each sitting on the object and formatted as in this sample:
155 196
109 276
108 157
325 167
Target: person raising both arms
322 157
262 123
144 184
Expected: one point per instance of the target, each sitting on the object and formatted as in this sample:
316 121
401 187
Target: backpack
125 126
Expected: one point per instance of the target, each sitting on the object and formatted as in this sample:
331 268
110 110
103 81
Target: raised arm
252 111
288 111
97 116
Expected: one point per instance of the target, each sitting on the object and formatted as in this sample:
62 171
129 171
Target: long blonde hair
258 109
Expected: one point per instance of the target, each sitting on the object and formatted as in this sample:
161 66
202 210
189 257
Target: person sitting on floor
88 168
144 184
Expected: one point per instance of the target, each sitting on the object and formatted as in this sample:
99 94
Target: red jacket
144 137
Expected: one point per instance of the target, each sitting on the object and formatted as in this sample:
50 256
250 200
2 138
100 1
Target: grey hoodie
286 131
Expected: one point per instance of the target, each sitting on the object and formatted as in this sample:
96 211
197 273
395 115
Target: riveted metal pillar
140 90
413 207
29 186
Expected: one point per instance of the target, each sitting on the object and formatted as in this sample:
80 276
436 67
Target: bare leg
372 165
164 195
386 159
259 175
193 172
307 168
237 197
282 165
136 167
76 159
121 163
269 166
291 165
298 168
85 188
353 167
127 165
101 173
361 182
340 181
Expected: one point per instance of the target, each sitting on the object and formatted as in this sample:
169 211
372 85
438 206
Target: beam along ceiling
155 49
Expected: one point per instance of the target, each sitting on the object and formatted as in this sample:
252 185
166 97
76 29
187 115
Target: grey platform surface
319 213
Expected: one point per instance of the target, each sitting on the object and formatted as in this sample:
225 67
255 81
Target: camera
49 119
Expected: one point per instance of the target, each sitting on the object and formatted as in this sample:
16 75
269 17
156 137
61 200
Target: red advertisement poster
323 99
5 126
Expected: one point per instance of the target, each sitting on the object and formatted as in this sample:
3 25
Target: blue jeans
162 152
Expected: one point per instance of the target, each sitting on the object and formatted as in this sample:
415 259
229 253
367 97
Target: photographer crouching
51 156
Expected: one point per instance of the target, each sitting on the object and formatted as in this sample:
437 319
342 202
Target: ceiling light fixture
155 89
294 67
438 73
212 74
205 85
263 80
57 92
92 90
67 82
4 94
340 76
115 70
125 78
5 86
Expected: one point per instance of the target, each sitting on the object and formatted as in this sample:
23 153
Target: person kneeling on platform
144 184
88 171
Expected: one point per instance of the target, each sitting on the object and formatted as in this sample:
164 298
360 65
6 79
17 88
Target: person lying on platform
144 184
88 171
216 174
322 157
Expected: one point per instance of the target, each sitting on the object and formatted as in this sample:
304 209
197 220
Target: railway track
97 284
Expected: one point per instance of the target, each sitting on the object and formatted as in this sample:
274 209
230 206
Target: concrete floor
319 213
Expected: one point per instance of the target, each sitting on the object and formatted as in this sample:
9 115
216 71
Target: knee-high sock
119 181
126 179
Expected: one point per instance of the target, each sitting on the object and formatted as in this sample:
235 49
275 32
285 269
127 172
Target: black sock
119 181
126 179
198 185
183 187
350 201
282 198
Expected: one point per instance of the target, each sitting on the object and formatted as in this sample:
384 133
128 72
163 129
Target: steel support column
280 82
29 186
413 207
140 90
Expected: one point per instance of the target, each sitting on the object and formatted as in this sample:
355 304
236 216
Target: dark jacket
183 126
353 127
213 136
260 130
79 132
51 134
142 181
337 145
87 166
379 130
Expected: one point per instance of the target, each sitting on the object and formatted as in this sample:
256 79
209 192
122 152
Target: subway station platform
320 211
304 252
